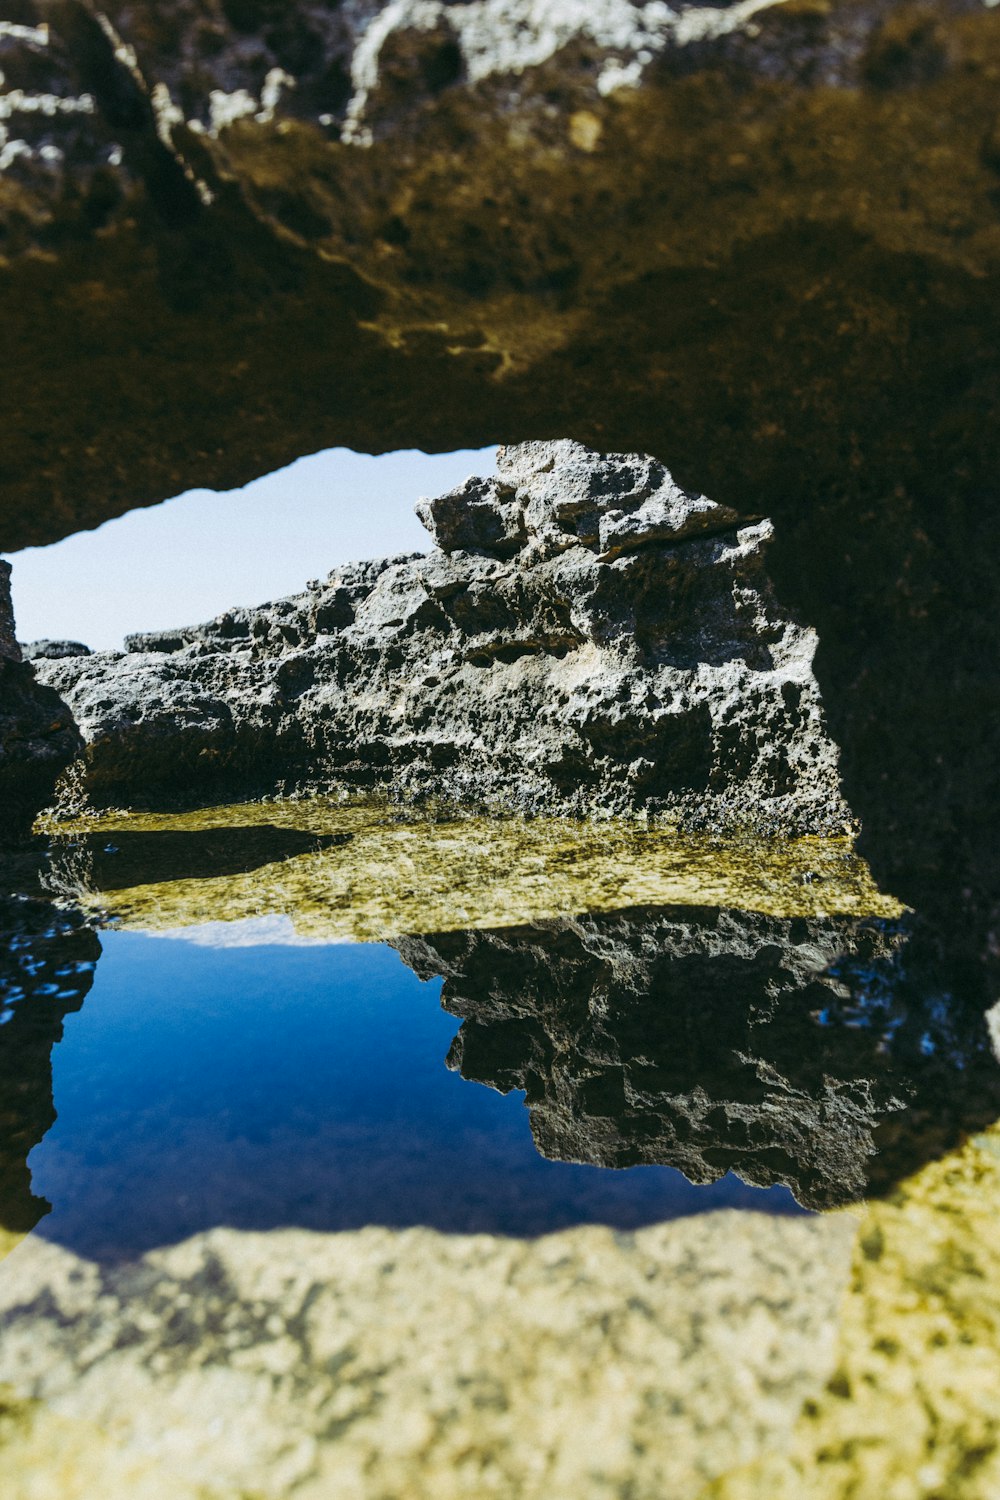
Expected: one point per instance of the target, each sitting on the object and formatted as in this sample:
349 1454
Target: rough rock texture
53 650
376 1363
710 232
586 637
38 738
577 1366
760 240
799 1051
908 1410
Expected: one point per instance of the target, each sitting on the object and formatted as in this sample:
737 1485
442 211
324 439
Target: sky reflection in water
304 1085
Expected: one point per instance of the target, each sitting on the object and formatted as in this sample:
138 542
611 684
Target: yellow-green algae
912 1409
470 1355
43 1455
400 873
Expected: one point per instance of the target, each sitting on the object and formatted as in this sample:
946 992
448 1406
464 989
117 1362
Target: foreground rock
734 1356
38 738
587 637
378 1363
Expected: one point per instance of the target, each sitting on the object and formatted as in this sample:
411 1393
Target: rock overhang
738 237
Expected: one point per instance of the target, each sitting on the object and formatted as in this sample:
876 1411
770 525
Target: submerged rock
38 738
586 637
378 871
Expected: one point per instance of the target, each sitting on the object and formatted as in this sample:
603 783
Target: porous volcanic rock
804 1051
38 738
586 637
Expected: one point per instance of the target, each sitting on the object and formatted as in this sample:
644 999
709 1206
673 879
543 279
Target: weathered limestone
588 638
38 738
52 650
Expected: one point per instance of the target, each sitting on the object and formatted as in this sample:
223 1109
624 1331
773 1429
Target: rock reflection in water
798 1042
47 962
802 1051
121 858
263 1084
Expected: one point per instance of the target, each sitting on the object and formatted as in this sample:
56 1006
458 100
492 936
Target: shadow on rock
126 858
47 962
813 1052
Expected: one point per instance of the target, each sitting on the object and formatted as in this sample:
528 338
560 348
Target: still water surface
303 1085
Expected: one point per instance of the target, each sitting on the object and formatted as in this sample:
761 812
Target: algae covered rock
298 1366
587 638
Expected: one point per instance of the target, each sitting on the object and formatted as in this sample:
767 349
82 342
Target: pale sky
191 558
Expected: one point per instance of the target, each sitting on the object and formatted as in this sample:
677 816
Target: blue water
268 1086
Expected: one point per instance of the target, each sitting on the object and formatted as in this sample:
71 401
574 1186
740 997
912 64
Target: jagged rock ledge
586 637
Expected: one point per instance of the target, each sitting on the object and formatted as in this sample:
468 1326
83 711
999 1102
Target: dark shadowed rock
132 857
590 638
47 961
38 738
807 1051
757 237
